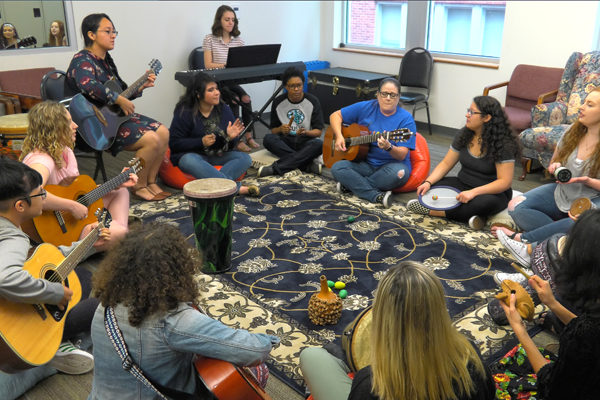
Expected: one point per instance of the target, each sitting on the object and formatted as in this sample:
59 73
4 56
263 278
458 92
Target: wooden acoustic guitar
31 333
358 140
228 381
61 227
98 127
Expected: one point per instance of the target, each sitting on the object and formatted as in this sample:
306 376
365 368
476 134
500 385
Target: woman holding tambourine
486 149
546 210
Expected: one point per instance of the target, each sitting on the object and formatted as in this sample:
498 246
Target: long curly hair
49 131
416 352
52 39
497 135
150 270
578 279
570 141
217 28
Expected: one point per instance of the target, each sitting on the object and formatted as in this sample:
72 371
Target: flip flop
250 142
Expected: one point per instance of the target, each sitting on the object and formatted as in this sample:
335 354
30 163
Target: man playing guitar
22 198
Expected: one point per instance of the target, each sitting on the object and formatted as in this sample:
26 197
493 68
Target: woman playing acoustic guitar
48 150
387 165
149 280
87 73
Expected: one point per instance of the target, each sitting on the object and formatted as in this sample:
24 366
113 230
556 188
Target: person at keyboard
296 125
225 34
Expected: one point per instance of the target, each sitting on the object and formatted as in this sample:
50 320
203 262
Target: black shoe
265 170
341 189
385 199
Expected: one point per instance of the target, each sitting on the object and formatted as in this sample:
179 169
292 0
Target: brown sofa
20 89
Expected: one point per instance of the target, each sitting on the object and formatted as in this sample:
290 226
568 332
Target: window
459 29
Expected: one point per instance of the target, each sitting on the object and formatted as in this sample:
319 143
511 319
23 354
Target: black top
477 171
362 384
307 113
574 374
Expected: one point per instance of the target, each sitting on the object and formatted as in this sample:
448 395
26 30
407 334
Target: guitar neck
102 190
135 87
355 141
73 259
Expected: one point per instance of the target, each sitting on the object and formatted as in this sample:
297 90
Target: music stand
251 56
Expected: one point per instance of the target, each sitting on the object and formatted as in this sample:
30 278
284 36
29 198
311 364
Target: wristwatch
390 148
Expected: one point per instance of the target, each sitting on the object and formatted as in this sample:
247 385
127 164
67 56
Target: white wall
535 32
169 30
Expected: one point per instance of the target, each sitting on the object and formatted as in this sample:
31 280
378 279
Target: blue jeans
234 164
366 181
539 216
293 151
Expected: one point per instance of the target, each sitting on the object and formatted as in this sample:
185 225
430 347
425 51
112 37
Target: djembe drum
356 340
211 206
13 129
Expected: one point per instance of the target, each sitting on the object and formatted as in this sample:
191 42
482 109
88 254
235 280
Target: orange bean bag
421 162
176 178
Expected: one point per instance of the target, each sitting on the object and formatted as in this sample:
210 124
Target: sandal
501 225
167 194
241 146
157 197
253 190
250 142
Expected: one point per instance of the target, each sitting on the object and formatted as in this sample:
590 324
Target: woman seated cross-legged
387 165
486 149
204 133
545 210
149 292
416 353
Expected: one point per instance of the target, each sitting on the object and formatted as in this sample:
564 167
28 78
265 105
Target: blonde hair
569 144
417 353
49 131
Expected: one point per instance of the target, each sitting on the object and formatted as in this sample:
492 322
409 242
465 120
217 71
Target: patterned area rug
298 230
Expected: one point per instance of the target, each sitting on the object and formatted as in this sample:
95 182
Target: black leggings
79 319
239 92
482 205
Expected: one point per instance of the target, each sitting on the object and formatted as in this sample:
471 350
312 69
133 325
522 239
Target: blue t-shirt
367 113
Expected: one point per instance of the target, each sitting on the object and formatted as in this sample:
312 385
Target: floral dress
88 73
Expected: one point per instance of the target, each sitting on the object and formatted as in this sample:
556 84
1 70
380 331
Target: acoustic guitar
98 127
27 41
61 227
358 140
228 381
31 333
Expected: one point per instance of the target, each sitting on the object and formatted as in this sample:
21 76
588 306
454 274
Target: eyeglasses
43 193
294 87
471 112
389 95
111 32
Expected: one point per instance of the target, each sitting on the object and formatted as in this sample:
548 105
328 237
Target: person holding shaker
546 210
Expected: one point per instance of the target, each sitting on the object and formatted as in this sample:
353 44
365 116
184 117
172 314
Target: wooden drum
211 205
356 340
13 129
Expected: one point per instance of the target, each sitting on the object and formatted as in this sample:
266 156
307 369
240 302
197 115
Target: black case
340 87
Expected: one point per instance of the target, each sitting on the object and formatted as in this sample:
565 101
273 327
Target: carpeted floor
296 231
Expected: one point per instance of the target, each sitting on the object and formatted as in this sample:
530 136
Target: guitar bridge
61 221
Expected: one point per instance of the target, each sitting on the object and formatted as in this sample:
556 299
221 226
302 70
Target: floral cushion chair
550 121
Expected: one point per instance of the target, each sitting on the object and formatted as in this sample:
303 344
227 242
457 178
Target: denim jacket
164 347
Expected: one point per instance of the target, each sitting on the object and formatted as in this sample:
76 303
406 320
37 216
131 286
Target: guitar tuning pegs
97 213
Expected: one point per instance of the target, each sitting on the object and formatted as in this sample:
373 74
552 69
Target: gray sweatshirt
17 284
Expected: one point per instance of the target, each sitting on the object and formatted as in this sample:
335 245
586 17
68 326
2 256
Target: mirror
35 24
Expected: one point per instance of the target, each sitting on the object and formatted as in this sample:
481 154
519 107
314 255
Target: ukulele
227 381
61 227
31 333
98 127
357 139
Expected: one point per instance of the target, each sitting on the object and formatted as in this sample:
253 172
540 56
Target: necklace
588 145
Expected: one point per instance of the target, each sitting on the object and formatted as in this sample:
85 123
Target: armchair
550 121
528 85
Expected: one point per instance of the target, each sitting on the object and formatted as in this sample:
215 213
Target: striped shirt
219 48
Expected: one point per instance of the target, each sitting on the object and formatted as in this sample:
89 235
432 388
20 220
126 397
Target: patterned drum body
211 205
13 129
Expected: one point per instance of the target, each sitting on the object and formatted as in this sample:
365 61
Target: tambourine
440 198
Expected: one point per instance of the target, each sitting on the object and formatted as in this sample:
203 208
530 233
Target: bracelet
430 184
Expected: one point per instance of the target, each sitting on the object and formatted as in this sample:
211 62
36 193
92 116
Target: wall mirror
44 25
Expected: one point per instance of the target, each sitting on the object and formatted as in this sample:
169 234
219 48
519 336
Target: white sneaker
517 249
516 277
71 360
340 188
476 222
385 199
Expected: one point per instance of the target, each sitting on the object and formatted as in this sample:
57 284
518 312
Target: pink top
68 170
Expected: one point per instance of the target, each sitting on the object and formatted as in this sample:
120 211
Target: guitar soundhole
348 141
53 309
82 202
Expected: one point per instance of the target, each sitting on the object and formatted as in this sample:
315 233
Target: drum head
356 340
442 203
209 188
